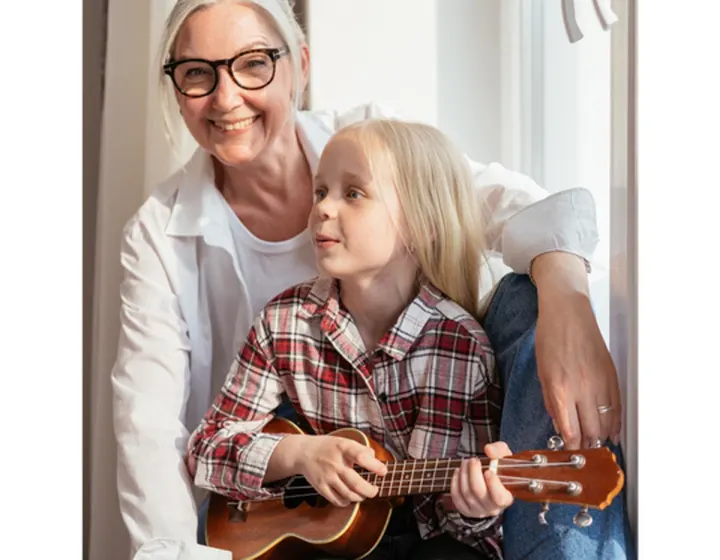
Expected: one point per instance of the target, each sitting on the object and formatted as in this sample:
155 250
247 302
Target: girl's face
356 219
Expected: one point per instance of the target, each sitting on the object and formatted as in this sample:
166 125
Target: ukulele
301 524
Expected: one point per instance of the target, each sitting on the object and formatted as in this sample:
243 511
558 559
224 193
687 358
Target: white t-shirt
270 267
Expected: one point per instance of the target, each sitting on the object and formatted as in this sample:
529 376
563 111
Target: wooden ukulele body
271 531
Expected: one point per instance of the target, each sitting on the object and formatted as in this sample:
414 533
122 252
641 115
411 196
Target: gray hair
281 16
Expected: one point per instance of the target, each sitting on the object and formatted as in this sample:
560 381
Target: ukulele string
398 485
445 472
516 464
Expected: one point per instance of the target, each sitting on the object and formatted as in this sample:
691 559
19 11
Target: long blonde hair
443 216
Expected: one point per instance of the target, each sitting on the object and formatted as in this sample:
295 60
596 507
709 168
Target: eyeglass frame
273 52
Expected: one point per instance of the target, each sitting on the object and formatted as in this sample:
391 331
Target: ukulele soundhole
300 491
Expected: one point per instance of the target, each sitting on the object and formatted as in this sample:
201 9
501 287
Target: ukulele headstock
590 478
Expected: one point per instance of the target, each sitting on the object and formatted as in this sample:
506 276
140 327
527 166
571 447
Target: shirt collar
323 303
190 212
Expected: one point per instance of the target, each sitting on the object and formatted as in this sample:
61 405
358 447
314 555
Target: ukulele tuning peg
555 443
583 518
543 512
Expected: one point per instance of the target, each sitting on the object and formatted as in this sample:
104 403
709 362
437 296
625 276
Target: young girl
385 340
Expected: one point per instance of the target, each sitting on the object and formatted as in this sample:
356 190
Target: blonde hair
443 217
280 15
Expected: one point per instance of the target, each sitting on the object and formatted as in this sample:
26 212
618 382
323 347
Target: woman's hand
327 462
576 371
477 494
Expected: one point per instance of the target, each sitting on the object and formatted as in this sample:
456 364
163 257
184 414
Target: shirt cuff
564 221
469 526
461 525
253 463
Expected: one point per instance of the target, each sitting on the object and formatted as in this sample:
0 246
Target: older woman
218 239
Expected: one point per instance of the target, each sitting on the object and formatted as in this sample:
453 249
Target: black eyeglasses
251 70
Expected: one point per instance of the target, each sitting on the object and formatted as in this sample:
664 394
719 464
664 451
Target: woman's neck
375 303
271 196
268 182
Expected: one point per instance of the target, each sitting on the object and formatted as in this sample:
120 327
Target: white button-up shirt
186 309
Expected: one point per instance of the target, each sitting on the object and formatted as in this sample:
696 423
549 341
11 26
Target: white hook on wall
604 12
571 24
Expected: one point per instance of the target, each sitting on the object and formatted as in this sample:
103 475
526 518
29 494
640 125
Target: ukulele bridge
237 512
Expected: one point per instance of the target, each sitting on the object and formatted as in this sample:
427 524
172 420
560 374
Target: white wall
469 75
435 61
359 54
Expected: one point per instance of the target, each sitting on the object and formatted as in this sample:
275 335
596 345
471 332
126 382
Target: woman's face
234 124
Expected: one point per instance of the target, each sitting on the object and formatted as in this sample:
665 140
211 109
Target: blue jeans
525 424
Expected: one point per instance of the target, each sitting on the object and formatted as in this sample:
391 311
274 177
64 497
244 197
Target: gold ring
603 408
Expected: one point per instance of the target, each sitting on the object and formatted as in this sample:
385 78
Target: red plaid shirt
428 391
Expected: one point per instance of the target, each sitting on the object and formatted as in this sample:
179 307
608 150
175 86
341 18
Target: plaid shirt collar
323 304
